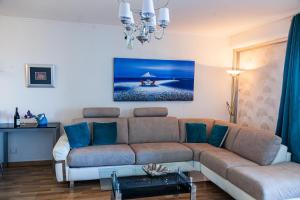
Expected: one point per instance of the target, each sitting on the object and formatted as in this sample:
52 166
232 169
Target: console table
7 128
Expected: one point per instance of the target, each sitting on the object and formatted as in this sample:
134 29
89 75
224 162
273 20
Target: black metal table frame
8 128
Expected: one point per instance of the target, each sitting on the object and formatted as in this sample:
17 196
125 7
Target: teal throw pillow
195 133
218 135
78 135
104 133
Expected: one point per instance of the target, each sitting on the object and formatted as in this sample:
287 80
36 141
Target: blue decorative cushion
78 135
104 133
218 135
195 133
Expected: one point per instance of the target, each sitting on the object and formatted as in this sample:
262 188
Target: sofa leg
71 184
193 192
2 168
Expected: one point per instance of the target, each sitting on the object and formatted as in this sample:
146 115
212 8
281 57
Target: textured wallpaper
260 86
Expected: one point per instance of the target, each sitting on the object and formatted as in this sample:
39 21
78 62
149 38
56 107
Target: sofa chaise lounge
252 164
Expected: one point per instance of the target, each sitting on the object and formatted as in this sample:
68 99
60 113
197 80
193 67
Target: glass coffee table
142 186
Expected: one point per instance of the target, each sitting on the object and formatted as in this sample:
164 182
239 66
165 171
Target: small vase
42 120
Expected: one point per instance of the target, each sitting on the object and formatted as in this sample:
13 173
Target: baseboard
30 163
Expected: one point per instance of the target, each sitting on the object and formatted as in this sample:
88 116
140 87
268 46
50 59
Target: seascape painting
153 80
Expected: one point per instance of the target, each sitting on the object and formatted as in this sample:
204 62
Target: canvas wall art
153 80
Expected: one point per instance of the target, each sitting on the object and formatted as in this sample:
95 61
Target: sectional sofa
252 164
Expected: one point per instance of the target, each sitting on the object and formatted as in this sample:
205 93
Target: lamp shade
124 10
152 22
148 9
131 18
234 72
164 15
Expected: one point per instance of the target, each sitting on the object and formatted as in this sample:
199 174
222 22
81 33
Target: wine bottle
17 120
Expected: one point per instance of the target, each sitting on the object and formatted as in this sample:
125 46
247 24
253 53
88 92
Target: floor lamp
232 106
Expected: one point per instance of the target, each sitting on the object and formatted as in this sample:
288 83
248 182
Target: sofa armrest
60 153
282 155
61 148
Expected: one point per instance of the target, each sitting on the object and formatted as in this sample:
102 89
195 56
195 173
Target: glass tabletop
140 186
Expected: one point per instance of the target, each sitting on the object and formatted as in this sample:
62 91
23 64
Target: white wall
83 54
268 32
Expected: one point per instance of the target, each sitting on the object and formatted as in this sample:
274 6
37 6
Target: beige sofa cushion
150 112
153 129
222 160
209 124
100 112
199 148
122 126
101 155
273 182
257 145
161 153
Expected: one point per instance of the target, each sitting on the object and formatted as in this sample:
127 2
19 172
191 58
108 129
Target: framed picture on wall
40 75
153 80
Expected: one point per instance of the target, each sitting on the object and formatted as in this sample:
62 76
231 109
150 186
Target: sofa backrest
122 126
259 146
150 112
152 125
101 112
105 115
153 129
182 122
233 131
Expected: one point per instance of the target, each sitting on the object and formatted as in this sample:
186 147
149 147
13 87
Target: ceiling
213 17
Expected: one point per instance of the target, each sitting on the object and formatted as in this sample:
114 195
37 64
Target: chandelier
148 25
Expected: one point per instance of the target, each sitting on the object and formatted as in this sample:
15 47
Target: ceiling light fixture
146 27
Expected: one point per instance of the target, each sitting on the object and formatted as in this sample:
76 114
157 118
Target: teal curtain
288 125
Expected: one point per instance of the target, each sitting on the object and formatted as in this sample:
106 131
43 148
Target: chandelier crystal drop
148 25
